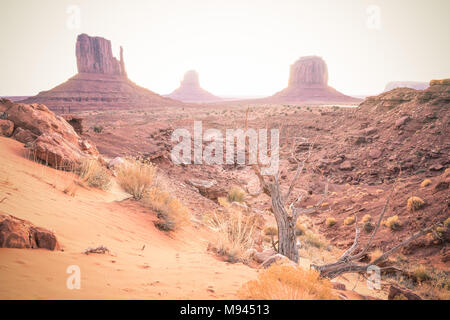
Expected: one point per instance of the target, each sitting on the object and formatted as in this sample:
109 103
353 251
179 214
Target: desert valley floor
361 150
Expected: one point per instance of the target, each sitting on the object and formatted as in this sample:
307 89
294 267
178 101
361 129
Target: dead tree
286 218
349 262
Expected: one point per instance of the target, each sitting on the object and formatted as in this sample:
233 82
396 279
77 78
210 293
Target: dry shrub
375 254
271 231
367 218
393 223
314 240
349 221
136 176
368 227
286 282
330 222
433 290
421 273
94 174
236 234
300 229
447 222
171 212
415 203
425 183
236 194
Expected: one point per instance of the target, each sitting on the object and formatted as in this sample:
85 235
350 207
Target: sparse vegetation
368 227
421 273
136 176
285 282
349 220
415 203
425 183
170 211
447 222
367 218
271 231
375 254
314 240
393 223
236 194
94 174
330 222
300 229
236 232
97 128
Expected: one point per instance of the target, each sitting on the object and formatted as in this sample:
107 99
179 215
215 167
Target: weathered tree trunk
287 240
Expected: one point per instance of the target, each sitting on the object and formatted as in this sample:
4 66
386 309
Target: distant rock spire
122 63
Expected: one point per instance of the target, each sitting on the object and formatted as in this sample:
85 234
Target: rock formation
101 83
406 84
308 82
190 90
51 139
94 55
18 233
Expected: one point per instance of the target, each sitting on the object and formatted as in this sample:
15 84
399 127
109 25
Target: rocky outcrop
208 188
438 93
51 138
406 84
399 293
39 120
308 82
75 121
24 135
101 83
190 90
6 128
18 233
94 55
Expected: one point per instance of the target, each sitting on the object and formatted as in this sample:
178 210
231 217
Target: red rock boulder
18 233
6 128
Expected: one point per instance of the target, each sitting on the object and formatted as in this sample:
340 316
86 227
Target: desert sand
166 268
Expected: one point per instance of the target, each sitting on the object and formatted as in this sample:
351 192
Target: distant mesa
190 90
406 84
101 83
308 82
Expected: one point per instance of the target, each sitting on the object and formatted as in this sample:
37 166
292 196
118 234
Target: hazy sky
239 48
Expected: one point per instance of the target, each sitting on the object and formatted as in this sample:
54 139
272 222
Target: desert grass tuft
136 176
393 223
415 203
94 174
236 235
330 222
286 282
236 194
171 212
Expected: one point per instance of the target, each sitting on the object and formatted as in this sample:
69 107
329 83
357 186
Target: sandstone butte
101 83
190 90
308 82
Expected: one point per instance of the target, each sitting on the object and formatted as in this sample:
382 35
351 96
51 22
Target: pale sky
239 47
